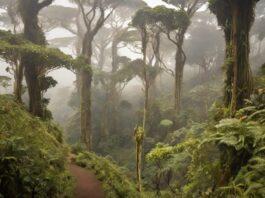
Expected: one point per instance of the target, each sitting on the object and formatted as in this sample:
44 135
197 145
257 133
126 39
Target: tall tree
29 11
94 14
189 7
12 22
151 23
10 18
140 21
236 18
120 37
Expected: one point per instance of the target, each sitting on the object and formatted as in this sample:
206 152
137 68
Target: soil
87 185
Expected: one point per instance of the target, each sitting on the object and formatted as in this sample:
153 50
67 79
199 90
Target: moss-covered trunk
29 10
18 82
146 78
154 92
242 14
34 90
86 80
139 137
228 67
113 94
180 60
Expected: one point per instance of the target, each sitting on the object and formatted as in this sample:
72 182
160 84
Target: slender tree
151 23
94 14
189 7
140 21
11 8
139 137
121 36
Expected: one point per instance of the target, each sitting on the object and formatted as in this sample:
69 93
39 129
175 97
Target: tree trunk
156 48
139 166
86 80
18 82
104 121
146 79
242 78
146 104
113 98
34 90
102 55
139 137
179 69
234 36
29 13
228 68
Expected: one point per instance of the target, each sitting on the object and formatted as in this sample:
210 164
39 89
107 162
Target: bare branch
193 9
169 38
44 4
81 6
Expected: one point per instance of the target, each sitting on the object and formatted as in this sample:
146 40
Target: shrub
114 180
32 160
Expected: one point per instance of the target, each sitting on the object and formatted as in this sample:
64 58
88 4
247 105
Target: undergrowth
32 157
114 180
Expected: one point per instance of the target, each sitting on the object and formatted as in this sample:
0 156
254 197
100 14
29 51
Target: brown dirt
87 185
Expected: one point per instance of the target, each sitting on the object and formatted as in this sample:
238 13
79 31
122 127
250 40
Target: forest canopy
132 98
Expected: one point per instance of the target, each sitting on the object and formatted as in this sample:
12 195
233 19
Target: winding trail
87 185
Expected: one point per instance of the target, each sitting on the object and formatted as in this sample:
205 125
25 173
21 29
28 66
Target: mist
172 91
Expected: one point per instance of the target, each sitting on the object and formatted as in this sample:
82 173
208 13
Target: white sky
59 32
155 2
149 2
68 77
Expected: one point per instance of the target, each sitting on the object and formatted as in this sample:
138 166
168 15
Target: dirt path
87 185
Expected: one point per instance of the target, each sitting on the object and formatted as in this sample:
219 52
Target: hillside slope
32 156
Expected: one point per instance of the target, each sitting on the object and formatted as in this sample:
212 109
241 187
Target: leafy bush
221 158
32 160
248 139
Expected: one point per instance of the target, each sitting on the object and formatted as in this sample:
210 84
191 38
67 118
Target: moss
13 46
32 155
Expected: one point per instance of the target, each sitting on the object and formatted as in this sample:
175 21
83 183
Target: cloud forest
132 99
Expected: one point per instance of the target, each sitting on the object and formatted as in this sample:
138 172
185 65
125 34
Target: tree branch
44 4
80 5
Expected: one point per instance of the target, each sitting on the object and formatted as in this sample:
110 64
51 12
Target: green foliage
255 108
139 134
263 69
124 74
221 158
5 81
260 78
166 123
236 134
160 152
160 16
114 180
32 159
237 143
167 166
14 46
217 112
246 138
